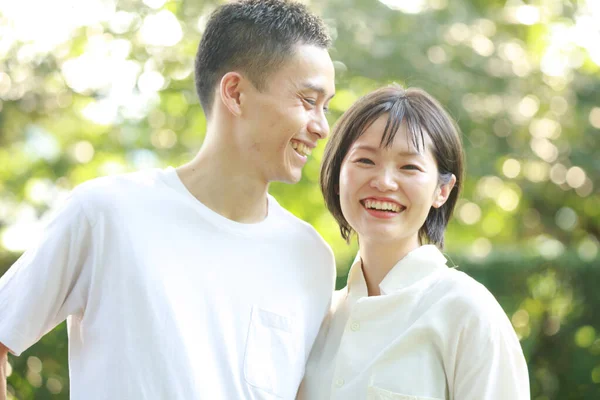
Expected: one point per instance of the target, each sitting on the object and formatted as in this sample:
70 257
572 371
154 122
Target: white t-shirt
166 299
434 333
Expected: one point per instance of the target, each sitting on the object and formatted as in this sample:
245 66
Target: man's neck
220 182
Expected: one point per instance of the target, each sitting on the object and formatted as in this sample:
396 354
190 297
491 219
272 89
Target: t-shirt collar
415 266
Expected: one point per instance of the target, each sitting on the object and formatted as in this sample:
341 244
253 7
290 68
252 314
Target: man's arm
52 275
3 363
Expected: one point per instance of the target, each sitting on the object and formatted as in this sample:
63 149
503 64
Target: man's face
284 122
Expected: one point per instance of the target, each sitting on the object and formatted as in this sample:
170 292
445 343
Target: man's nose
319 125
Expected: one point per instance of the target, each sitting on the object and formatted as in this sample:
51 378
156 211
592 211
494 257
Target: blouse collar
415 266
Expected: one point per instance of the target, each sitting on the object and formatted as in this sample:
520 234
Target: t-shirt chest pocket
274 357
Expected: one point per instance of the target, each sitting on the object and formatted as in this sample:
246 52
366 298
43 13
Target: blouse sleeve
490 364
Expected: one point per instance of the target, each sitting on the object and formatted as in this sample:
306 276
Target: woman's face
386 193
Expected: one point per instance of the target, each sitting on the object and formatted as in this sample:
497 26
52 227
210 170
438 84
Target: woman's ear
443 192
230 91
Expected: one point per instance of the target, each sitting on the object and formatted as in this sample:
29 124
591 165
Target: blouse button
339 382
355 326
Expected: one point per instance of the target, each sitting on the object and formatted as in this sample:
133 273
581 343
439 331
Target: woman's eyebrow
410 154
366 147
374 149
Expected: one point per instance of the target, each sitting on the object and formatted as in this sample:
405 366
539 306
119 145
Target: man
193 283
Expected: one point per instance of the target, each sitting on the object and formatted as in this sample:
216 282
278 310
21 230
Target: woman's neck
378 259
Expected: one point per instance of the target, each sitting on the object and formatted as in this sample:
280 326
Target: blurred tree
104 86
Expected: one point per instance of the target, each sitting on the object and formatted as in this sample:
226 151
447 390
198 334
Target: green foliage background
523 81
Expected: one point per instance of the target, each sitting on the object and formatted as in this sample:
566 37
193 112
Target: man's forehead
311 65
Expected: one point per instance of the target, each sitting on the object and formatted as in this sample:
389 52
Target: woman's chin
386 237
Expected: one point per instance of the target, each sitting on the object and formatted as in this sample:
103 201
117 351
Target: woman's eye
365 161
411 167
310 101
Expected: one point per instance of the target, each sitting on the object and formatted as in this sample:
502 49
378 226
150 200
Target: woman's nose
384 181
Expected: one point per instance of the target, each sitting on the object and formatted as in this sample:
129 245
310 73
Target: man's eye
326 110
310 101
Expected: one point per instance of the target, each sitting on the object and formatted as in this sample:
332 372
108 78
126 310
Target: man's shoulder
109 186
109 191
299 227
124 181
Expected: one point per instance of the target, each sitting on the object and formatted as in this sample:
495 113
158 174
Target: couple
193 283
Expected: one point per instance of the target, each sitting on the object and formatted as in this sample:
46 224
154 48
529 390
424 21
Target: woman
406 326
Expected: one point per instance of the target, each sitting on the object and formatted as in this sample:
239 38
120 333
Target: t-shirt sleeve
49 281
490 363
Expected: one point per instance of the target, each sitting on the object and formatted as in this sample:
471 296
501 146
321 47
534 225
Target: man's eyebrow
316 88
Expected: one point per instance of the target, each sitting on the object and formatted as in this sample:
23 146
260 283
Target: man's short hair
254 37
423 116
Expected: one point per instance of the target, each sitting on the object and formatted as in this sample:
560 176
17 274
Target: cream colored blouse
434 333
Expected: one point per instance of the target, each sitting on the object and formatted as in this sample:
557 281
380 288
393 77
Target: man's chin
292 181
291 177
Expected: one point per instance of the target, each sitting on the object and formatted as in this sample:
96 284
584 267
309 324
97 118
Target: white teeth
382 205
301 148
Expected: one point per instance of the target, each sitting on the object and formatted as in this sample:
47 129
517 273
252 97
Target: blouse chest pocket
274 357
375 393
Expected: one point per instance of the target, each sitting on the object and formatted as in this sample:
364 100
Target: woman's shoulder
480 321
469 298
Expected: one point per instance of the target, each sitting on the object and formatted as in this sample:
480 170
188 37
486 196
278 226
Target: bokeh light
99 87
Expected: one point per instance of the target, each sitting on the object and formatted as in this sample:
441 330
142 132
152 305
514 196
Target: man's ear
443 192
230 89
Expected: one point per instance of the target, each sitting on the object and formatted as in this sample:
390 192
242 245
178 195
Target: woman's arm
489 361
